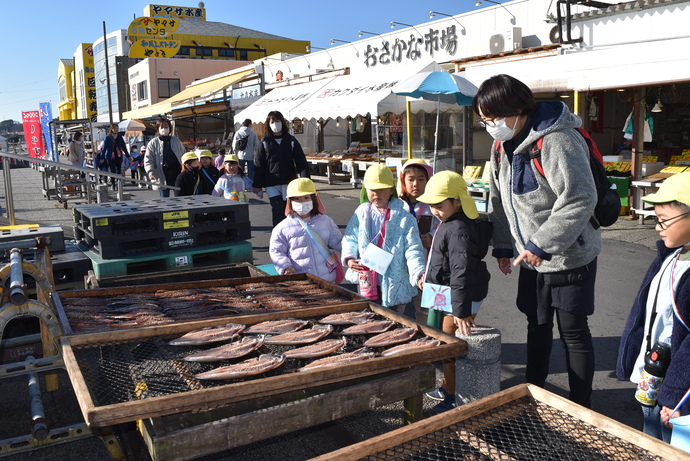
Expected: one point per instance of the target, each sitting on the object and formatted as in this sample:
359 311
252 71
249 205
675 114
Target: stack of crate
141 236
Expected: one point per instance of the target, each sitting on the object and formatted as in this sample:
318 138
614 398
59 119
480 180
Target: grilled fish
209 335
319 349
421 343
301 336
276 327
228 351
339 359
347 318
255 366
369 327
399 335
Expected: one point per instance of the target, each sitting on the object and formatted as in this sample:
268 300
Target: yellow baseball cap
231 158
378 177
675 188
449 184
189 156
299 188
205 153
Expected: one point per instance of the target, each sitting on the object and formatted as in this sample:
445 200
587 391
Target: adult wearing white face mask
546 218
163 158
280 159
76 150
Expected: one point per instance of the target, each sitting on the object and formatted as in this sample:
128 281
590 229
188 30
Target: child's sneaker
439 394
447 404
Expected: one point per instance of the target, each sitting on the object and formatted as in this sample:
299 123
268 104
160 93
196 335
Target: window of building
243 55
200 51
63 90
184 51
226 53
142 91
168 87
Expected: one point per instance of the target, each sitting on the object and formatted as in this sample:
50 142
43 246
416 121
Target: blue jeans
248 167
652 424
164 192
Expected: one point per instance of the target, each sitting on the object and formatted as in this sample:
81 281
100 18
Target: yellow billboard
152 27
154 48
181 12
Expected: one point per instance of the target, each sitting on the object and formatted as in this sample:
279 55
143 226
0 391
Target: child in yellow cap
659 321
188 179
234 182
208 173
381 227
456 279
305 241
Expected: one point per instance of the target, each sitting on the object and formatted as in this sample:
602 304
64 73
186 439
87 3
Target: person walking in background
189 180
280 159
233 183
304 242
459 245
111 154
141 171
245 143
220 158
383 223
547 219
131 163
660 316
163 158
208 173
76 149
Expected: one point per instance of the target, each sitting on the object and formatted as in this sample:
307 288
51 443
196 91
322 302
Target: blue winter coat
291 245
677 379
399 283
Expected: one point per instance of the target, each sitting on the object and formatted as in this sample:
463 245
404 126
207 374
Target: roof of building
67 62
223 30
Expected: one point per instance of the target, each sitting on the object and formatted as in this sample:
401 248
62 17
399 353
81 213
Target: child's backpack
608 205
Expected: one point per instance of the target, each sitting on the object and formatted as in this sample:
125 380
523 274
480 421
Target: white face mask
164 131
500 131
276 127
302 208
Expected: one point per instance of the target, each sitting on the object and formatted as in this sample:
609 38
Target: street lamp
395 23
512 19
333 40
432 14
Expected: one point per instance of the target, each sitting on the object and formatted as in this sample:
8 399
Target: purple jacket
291 245
677 378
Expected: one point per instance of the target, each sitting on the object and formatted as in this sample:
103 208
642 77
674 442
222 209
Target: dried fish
319 349
399 335
339 359
369 327
301 336
276 327
228 351
209 335
421 343
347 318
255 366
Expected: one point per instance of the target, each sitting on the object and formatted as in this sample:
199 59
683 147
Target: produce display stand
135 375
520 423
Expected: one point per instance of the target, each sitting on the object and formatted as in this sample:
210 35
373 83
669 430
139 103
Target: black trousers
539 297
277 209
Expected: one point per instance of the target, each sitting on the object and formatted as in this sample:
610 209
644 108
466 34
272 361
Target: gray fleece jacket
548 215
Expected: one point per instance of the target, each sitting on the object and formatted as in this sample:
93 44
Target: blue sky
38 33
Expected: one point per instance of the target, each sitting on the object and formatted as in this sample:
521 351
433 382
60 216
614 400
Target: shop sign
247 92
152 27
417 47
154 48
32 134
180 12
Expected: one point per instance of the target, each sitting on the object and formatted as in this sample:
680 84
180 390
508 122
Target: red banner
33 134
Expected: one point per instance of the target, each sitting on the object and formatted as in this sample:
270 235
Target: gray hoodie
547 215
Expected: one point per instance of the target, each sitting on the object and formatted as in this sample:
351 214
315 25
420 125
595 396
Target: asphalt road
627 253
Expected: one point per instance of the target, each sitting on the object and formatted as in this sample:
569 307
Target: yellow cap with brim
205 153
231 158
449 184
673 189
378 177
299 188
189 156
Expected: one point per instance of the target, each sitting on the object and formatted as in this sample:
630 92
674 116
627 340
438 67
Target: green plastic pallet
210 255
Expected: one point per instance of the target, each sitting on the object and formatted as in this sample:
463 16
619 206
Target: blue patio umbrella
442 87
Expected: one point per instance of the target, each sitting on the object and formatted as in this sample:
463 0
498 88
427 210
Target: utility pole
107 75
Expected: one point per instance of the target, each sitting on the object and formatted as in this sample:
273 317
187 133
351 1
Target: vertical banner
32 134
46 113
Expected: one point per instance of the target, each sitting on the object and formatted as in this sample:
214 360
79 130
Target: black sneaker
439 394
447 404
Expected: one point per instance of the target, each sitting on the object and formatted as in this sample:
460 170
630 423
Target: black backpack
241 143
608 206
